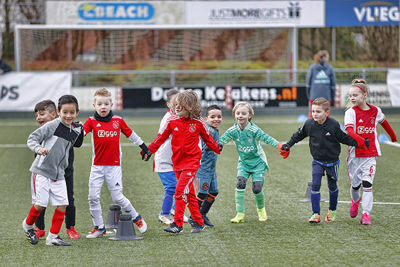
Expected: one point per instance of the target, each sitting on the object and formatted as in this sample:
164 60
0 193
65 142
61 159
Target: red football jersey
105 139
186 152
364 124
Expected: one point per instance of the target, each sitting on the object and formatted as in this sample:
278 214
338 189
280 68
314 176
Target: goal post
151 47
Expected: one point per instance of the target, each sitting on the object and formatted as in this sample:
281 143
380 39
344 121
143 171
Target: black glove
285 147
366 142
145 151
220 147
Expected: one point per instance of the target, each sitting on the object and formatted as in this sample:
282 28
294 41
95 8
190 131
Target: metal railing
170 78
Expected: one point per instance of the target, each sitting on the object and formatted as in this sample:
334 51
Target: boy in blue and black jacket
206 178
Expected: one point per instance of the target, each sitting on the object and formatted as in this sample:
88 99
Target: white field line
375 203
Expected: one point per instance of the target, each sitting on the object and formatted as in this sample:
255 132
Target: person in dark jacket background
321 80
4 67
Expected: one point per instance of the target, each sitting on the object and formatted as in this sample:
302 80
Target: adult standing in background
321 80
4 67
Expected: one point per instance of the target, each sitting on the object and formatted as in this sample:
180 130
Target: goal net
85 47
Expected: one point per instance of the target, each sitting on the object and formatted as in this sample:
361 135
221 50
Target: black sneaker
197 228
207 221
57 241
30 234
173 228
191 221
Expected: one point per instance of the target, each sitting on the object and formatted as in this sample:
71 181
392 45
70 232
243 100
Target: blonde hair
188 100
360 83
102 92
322 102
243 104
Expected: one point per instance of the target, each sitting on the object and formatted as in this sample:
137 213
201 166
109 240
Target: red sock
33 215
57 221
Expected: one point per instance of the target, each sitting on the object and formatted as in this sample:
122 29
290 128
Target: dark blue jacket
321 81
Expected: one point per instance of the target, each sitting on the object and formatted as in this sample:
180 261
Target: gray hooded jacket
58 138
321 81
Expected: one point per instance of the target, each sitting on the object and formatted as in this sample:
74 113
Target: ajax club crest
115 124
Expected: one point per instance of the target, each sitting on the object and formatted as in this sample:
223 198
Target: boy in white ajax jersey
106 165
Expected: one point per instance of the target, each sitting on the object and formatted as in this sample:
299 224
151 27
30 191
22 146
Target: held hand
284 150
43 151
362 143
145 152
220 147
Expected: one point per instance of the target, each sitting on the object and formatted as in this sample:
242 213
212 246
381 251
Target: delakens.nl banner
20 91
258 96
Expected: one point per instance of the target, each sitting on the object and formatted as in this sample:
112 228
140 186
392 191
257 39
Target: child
186 126
206 177
360 122
52 143
163 166
45 111
325 138
106 164
252 160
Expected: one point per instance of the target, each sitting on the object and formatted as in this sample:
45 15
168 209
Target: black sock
208 203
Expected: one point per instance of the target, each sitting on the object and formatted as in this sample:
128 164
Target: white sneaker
165 219
140 223
56 241
96 232
185 219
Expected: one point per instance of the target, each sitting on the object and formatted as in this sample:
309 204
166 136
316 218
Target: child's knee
366 184
241 182
257 187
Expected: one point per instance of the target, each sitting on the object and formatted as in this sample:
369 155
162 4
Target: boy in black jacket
325 138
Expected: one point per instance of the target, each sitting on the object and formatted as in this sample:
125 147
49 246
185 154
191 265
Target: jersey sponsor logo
366 130
245 149
115 124
98 125
103 133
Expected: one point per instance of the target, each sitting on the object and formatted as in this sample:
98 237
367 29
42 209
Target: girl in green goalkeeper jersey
252 160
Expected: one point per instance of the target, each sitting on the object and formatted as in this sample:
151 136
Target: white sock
367 200
51 236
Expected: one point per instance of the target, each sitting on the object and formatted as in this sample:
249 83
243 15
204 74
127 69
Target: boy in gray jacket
52 143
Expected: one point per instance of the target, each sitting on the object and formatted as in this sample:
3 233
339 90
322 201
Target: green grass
286 239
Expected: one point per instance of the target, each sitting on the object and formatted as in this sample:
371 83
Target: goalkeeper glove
284 150
145 152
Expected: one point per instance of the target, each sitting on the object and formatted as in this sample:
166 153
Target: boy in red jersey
106 163
185 126
360 122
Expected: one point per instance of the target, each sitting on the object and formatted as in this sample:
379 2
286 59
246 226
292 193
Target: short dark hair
212 107
67 99
170 93
320 101
45 105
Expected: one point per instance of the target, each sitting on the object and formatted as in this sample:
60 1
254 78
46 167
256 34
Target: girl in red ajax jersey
185 126
360 123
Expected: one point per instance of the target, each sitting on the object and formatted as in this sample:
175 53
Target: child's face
214 118
319 114
356 96
181 111
43 116
242 116
68 113
102 105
